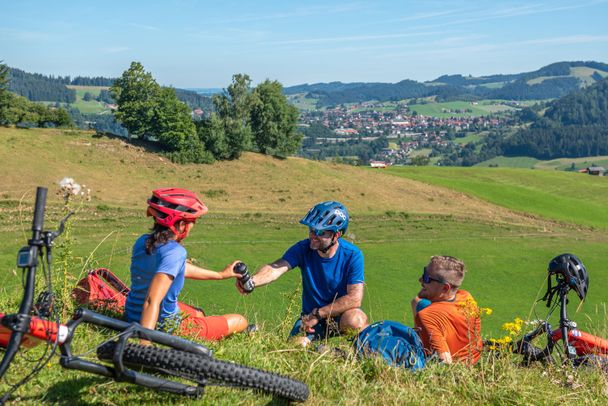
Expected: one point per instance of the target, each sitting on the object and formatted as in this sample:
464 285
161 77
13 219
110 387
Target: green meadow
560 164
506 224
459 108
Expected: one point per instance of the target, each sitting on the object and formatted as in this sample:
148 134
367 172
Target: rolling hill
551 81
505 225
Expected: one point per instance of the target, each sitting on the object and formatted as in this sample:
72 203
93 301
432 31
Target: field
506 225
470 137
459 108
510 162
302 102
91 106
554 164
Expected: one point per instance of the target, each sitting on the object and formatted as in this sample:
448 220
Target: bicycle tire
203 369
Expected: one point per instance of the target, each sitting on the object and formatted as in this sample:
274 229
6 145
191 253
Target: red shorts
195 324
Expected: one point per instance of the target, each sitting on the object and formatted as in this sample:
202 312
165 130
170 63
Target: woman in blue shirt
159 267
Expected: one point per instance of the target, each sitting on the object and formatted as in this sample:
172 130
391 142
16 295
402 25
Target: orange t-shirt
453 327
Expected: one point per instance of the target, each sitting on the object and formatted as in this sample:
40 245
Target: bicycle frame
576 343
22 329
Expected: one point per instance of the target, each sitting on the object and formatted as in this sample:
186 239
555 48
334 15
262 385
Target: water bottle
246 282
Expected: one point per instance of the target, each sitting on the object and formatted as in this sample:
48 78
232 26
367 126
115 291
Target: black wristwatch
315 313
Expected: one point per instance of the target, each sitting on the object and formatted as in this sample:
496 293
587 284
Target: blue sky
189 43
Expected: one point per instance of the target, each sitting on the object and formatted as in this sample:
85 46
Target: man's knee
354 319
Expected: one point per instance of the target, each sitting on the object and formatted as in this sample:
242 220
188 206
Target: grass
505 224
563 196
449 109
91 106
470 137
302 102
510 162
559 164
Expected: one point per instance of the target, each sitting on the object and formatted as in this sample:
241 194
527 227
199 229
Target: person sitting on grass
446 317
159 268
332 276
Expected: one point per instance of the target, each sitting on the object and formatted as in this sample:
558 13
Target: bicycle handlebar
38 223
19 323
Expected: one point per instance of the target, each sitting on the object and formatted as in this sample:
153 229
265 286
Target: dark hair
159 235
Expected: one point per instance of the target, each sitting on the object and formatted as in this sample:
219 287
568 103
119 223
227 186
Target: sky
190 43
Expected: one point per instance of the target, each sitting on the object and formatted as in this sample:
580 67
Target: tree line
244 118
37 87
574 126
17 110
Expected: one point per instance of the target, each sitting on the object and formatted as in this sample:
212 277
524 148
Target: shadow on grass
69 392
148 146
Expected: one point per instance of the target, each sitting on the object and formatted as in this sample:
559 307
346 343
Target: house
595 170
378 164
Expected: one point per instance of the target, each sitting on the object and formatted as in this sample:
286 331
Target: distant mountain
38 87
207 91
551 81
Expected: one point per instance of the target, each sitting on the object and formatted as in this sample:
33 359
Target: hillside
573 126
400 217
111 166
551 81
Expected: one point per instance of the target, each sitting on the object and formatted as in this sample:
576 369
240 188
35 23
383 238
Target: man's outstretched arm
268 273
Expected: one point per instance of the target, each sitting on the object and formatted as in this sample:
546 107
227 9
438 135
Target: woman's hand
228 272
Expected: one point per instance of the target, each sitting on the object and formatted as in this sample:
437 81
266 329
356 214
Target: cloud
355 38
297 13
572 39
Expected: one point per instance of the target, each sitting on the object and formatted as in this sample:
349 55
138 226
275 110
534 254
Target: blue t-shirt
170 259
325 279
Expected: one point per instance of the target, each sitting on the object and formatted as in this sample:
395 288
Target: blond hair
450 269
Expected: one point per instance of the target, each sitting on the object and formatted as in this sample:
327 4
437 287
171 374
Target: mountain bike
161 368
577 347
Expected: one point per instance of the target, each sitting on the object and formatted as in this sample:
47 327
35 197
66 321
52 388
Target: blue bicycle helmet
327 216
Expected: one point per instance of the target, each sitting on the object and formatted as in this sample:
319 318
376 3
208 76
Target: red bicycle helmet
170 205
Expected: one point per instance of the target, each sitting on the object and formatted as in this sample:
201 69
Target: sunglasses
320 233
426 278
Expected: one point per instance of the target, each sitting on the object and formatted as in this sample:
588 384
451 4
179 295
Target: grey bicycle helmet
570 270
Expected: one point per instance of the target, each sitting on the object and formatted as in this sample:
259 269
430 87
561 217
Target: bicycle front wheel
206 370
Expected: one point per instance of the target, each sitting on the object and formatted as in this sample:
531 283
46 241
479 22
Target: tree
5 95
233 108
420 160
273 120
171 121
136 93
87 96
212 134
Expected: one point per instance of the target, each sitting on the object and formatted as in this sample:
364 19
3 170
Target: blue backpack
399 345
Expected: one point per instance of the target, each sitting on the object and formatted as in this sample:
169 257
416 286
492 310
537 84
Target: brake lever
54 234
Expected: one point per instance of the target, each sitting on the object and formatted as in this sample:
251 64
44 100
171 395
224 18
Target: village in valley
407 133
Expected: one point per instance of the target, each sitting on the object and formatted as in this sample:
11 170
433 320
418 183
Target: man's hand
240 288
310 320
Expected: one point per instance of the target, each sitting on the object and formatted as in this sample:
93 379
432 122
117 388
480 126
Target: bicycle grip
39 209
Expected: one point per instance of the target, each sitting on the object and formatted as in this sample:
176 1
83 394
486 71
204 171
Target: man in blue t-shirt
332 275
